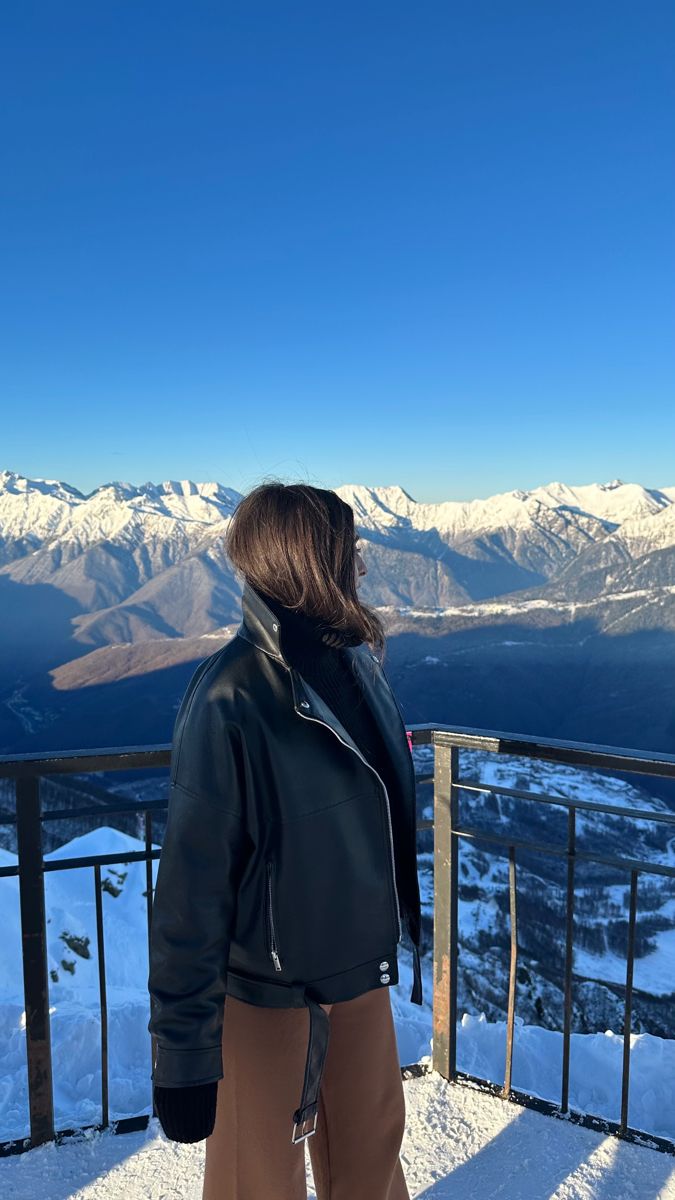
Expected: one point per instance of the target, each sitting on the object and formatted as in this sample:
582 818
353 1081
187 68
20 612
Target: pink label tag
408 734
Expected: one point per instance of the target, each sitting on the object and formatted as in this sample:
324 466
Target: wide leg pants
354 1152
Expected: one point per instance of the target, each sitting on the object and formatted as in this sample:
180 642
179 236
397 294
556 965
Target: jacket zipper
273 940
386 797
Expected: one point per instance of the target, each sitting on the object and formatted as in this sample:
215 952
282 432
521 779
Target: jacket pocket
270 918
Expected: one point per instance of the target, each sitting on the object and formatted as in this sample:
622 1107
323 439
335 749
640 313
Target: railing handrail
465 737
616 758
67 762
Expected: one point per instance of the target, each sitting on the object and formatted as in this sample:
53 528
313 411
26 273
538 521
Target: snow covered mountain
501 543
52 533
102 548
98 588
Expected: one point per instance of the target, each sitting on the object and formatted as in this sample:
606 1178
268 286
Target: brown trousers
354 1152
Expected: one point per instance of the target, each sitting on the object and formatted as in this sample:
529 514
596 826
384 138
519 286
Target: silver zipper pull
276 960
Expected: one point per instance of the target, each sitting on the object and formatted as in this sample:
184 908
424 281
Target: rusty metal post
34 948
444 1057
569 959
628 1003
149 896
102 991
513 970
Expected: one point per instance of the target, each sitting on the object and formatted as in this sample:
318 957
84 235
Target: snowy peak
608 503
643 534
183 489
378 505
21 485
614 502
38 512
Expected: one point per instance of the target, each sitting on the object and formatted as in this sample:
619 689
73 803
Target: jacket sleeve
205 849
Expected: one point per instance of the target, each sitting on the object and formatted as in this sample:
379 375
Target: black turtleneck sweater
187 1114
317 654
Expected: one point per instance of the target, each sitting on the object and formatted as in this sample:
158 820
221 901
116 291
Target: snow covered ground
459 1144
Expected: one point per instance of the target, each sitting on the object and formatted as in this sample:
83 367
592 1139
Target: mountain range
549 611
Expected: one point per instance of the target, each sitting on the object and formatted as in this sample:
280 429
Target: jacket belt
319 1030
317 1046
416 994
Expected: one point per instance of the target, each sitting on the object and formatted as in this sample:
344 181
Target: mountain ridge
573 584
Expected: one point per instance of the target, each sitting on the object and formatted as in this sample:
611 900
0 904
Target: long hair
297 543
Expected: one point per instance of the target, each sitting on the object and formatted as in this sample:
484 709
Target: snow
514 607
459 1144
655 973
595 1069
609 504
645 532
45 511
166 520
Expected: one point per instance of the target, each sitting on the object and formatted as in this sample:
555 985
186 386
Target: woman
287 873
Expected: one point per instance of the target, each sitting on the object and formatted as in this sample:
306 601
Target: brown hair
297 543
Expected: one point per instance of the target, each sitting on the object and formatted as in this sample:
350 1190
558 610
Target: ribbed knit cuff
187 1114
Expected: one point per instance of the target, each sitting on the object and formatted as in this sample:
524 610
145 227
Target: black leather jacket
287 869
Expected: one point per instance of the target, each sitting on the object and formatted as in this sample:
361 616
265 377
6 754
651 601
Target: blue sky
425 244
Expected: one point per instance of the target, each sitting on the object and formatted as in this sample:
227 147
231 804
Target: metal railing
447 741
27 770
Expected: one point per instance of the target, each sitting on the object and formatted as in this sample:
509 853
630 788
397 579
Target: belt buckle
309 1132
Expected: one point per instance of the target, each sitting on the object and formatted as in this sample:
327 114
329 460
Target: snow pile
595 1069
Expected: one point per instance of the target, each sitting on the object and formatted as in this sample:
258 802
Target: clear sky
430 244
